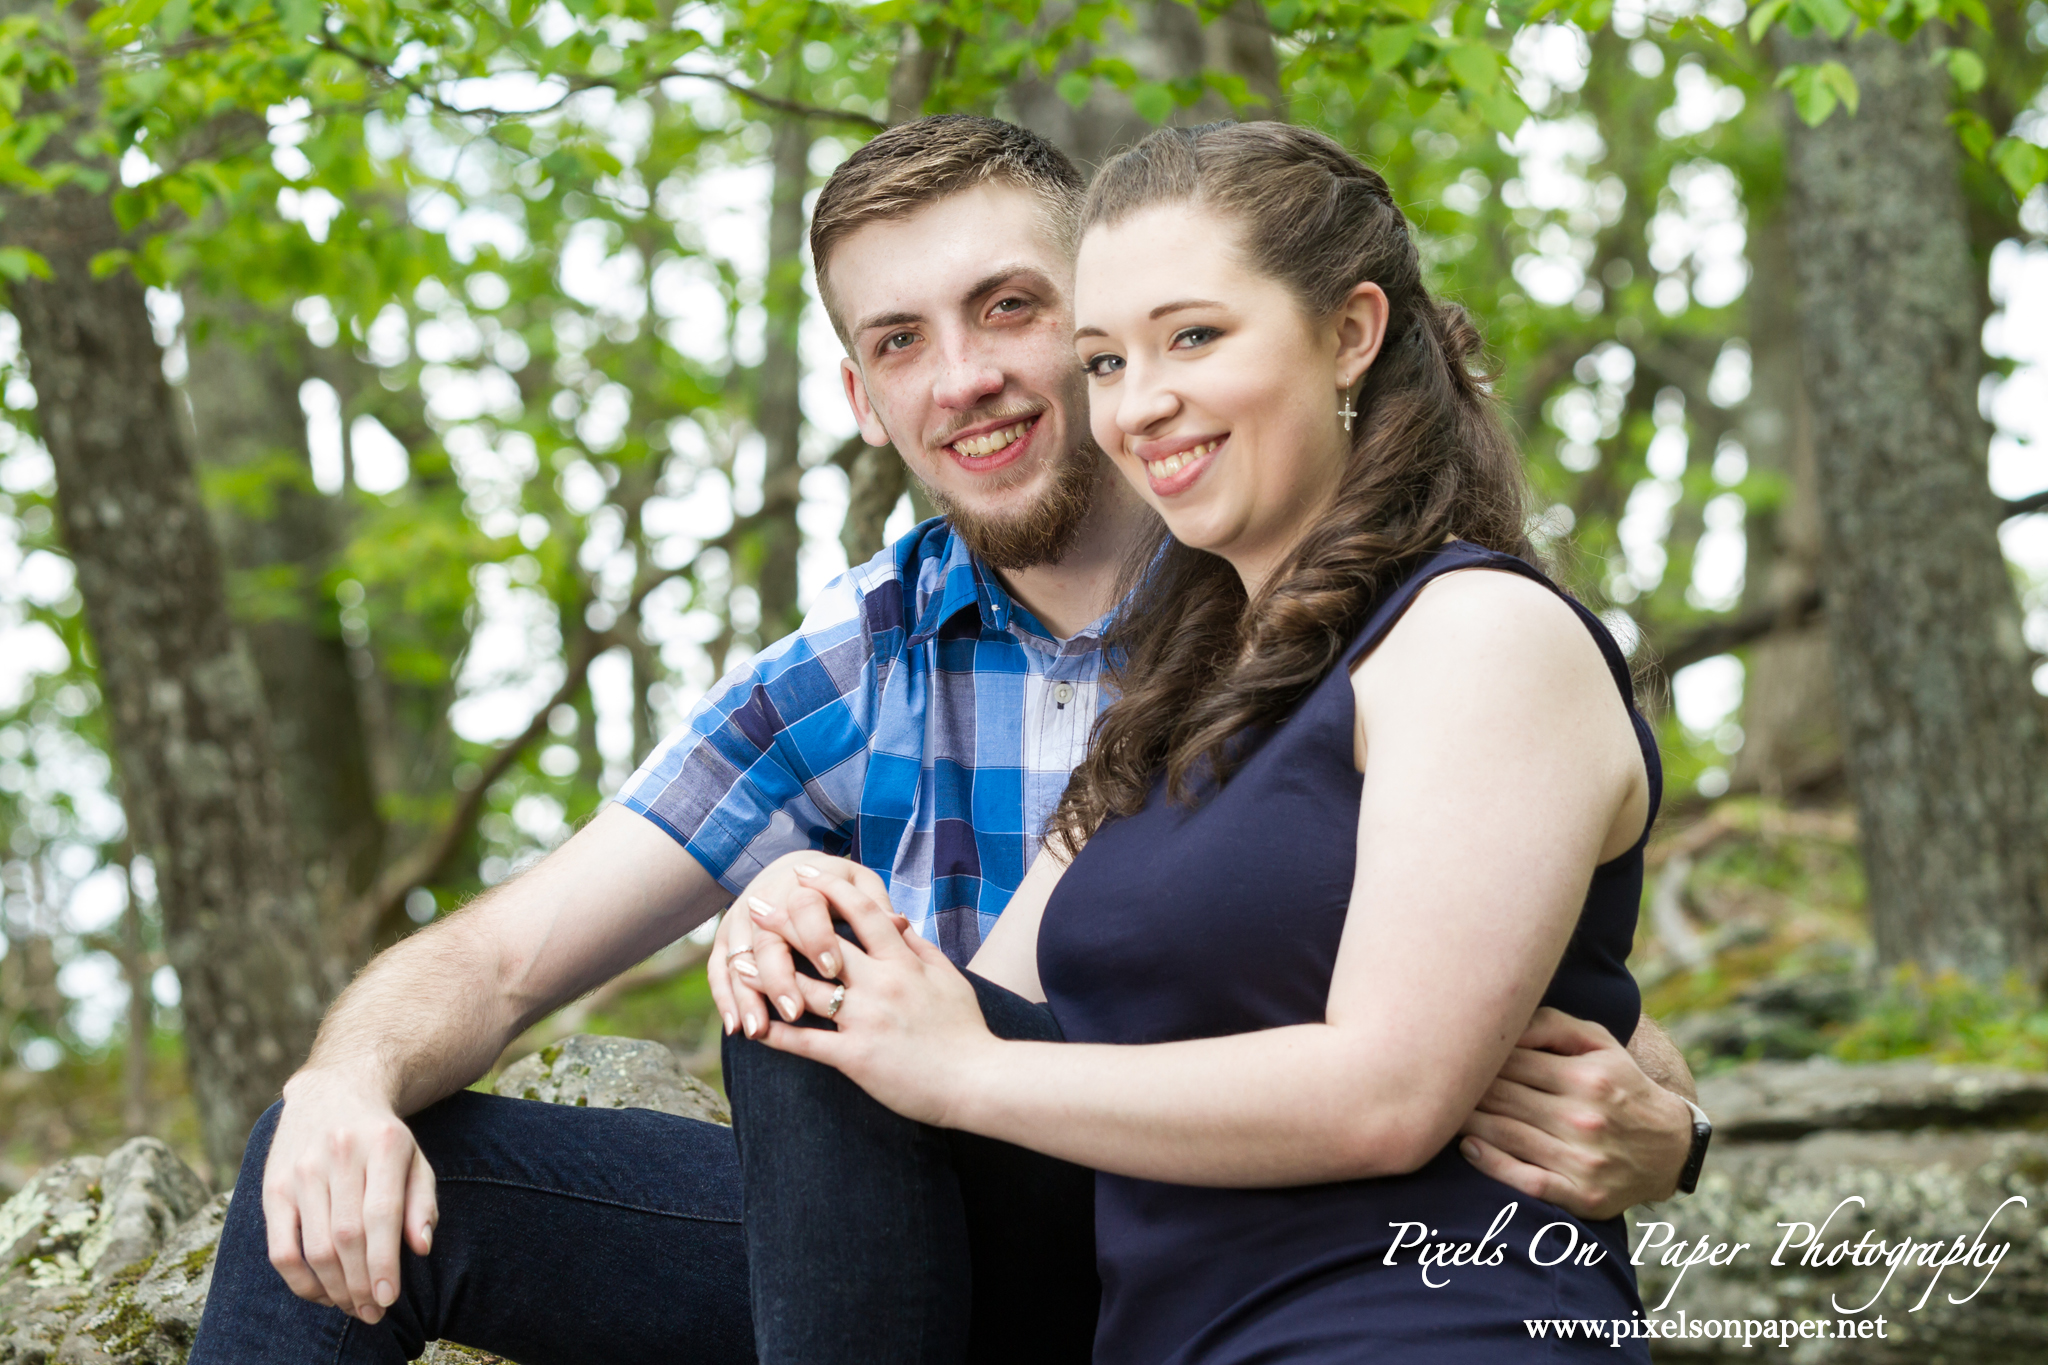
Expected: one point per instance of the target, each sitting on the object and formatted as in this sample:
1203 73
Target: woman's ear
1361 325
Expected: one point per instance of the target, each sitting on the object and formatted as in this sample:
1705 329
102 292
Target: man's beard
1044 532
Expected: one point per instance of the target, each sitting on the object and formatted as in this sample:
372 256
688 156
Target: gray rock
1783 1100
613 1073
107 1260
1923 1187
81 1239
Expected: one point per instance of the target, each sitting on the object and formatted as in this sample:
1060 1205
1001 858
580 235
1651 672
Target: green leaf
1763 16
1474 66
1973 10
1840 82
108 262
1153 101
1075 87
1811 95
175 18
1388 44
1965 68
297 18
1834 16
1973 132
18 263
2021 163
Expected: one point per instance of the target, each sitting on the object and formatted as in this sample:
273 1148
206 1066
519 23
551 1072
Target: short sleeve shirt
920 721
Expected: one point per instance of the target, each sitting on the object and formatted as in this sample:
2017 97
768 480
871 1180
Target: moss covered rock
107 1260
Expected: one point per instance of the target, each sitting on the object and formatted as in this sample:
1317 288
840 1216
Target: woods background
410 408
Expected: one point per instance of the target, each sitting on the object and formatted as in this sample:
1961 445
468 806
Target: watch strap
1696 1158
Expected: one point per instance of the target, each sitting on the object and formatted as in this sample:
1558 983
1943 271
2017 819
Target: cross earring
1347 412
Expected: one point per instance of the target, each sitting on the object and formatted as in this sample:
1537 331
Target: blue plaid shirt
920 721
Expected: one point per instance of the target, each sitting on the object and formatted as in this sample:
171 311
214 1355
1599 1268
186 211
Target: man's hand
343 1181
752 970
1572 1119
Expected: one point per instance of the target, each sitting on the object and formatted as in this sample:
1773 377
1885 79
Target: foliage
1946 1018
516 248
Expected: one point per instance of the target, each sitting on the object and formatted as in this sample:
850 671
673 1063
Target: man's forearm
1661 1060
423 1020
431 1014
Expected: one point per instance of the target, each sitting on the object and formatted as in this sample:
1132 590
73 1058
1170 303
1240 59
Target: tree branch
425 861
576 85
2019 507
1719 637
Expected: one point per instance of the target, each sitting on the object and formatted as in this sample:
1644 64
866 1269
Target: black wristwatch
1702 1134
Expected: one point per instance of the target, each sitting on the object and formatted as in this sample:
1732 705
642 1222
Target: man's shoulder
893 591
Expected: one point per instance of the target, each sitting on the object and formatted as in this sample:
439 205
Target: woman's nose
1143 404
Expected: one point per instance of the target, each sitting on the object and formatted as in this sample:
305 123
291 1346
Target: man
921 723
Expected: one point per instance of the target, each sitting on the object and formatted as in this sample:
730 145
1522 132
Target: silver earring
1347 412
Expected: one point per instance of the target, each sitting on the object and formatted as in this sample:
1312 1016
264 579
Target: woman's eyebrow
1080 332
1177 306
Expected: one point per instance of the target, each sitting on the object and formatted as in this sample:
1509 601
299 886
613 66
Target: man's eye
899 341
1008 306
1190 337
1102 366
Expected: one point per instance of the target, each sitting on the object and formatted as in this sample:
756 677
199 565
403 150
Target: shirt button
1063 693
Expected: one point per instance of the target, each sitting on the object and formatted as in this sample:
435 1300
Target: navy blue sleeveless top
1181 923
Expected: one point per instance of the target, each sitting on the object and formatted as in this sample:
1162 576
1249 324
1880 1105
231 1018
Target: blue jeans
566 1235
875 1240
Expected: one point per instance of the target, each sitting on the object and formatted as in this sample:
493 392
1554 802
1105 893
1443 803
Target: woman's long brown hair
1198 663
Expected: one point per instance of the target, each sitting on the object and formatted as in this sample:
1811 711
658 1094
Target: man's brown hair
927 159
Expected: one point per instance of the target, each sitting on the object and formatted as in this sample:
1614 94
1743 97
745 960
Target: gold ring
838 999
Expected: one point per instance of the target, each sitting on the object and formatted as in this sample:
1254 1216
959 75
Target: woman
1373 792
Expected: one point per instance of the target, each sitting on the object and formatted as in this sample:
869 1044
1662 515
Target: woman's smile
1173 466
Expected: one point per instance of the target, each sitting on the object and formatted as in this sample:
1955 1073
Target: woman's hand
753 956
908 1029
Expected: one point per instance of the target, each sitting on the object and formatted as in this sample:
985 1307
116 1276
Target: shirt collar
956 579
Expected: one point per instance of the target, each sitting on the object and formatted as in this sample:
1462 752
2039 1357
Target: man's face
960 324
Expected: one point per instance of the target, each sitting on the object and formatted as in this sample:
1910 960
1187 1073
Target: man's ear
871 429
1361 325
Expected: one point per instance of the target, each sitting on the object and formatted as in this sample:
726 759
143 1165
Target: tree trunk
779 413
185 707
243 387
1170 41
1791 739
1944 738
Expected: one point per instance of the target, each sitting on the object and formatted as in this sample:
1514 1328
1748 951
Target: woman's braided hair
1198 663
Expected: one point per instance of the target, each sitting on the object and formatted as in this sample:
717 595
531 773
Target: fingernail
728 1024
762 909
386 1295
806 870
788 1007
828 963
752 1024
746 969
427 1238
1470 1149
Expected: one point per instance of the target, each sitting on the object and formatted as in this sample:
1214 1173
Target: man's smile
995 444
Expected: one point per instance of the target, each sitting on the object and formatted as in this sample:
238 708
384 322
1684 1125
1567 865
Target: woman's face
1216 397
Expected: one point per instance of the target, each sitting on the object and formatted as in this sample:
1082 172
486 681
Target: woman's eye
1102 366
1190 337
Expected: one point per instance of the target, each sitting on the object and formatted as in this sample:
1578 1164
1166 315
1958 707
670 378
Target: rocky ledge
107 1260
1825 1174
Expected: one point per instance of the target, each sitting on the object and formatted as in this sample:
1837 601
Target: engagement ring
838 999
